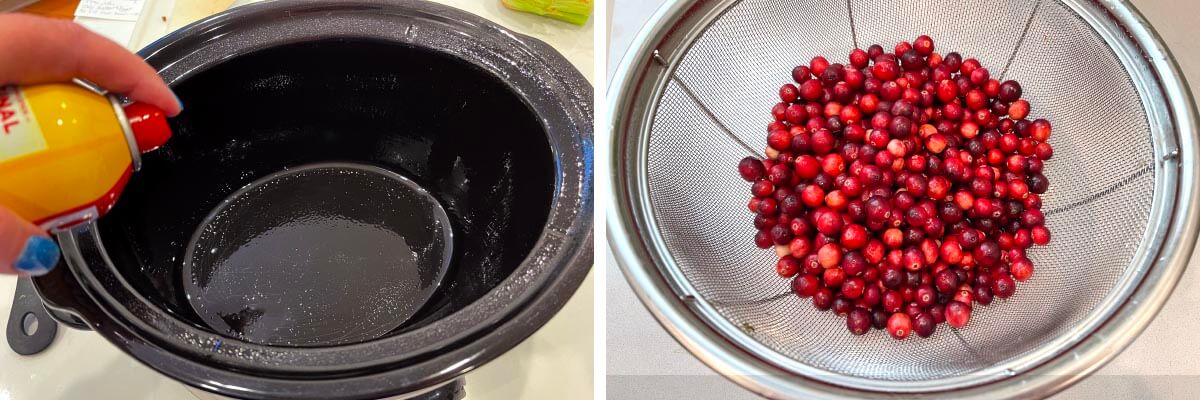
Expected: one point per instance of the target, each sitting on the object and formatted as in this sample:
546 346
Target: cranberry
842 306
926 296
899 325
853 288
1010 91
1040 130
938 312
858 321
924 325
801 74
823 299
947 281
983 295
1003 286
762 239
885 70
1037 183
979 76
879 319
923 45
751 169
957 314
1032 218
787 266
1040 235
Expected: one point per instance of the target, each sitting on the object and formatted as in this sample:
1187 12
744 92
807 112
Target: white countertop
1163 363
554 363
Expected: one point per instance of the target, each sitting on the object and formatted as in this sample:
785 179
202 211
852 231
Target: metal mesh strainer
692 98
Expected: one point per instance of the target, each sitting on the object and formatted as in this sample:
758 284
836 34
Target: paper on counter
113 19
121 10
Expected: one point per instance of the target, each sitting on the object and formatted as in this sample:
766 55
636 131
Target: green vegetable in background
573 11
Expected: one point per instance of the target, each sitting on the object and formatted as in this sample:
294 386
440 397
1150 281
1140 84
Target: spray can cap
149 126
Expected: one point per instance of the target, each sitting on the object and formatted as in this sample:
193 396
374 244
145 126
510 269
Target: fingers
42 50
24 249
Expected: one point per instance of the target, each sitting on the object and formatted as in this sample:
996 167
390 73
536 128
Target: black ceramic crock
496 125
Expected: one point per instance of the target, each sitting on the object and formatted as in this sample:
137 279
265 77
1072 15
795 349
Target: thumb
24 248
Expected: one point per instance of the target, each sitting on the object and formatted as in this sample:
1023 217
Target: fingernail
177 100
39 256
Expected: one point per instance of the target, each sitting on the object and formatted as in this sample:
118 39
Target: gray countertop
643 361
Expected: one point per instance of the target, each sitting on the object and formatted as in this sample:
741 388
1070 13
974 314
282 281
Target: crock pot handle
30 327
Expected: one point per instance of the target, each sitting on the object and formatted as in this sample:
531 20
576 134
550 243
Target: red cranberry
987 254
899 325
787 266
1040 130
854 237
1043 151
811 91
858 321
822 142
1032 218
805 285
926 296
886 70
1040 235
970 238
979 76
853 288
1003 286
818 65
923 45
957 314
947 281
751 169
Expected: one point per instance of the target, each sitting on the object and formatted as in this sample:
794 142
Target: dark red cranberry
952 61
824 181
1032 218
762 239
842 306
892 277
791 205
970 238
946 281
893 301
858 321
854 263
924 325
1037 183
823 299
1010 91
938 312
983 295
872 295
801 74
879 319
874 51
764 222
987 254
1003 286
751 169
780 234
805 285
779 174
912 61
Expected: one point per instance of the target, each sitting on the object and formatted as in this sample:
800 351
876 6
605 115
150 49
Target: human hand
41 50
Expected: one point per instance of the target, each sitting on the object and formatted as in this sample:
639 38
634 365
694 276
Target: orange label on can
19 131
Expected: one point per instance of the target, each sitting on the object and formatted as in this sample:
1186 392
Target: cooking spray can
66 152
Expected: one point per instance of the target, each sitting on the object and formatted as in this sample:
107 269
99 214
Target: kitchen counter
1163 363
555 363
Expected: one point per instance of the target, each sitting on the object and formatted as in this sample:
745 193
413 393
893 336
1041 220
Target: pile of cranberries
902 189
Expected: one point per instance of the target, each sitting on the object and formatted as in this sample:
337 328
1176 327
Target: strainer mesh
714 111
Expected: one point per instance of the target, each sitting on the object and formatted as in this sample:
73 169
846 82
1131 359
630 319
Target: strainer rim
1123 323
